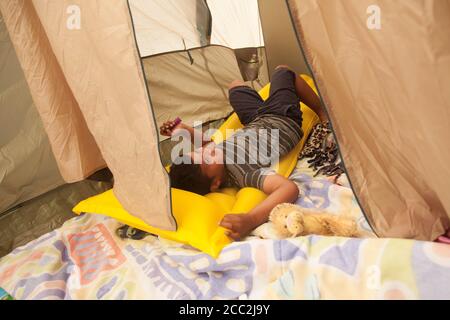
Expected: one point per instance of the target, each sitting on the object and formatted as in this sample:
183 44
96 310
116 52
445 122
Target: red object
443 239
176 122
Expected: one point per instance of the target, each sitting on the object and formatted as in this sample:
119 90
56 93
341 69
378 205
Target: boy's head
201 171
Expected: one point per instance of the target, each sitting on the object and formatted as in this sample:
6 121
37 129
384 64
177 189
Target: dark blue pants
282 101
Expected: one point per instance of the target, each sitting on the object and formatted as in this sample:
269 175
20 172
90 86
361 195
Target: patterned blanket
84 259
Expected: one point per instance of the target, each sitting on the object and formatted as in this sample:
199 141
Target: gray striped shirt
251 151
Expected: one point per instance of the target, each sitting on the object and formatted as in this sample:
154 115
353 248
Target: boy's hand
239 225
278 189
169 127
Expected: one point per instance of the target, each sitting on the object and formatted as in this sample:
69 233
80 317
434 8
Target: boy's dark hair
189 177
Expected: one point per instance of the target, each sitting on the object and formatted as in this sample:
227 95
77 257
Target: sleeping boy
241 162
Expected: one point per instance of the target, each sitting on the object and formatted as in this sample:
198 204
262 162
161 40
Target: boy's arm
168 129
309 97
279 190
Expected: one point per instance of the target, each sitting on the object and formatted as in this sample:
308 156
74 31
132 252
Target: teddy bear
290 220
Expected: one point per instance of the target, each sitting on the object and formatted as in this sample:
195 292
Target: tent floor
43 214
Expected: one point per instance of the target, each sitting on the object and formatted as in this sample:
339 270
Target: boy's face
211 161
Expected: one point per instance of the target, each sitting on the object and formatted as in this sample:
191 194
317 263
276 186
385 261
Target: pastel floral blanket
84 259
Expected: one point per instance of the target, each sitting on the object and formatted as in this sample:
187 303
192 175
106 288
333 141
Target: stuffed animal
291 220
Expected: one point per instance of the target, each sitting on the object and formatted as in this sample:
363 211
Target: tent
92 80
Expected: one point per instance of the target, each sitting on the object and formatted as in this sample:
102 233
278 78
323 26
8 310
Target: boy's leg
245 101
283 78
283 99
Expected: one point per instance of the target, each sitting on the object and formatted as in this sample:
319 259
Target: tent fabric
74 148
236 23
27 165
280 42
169 25
164 26
197 91
94 70
386 91
89 88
